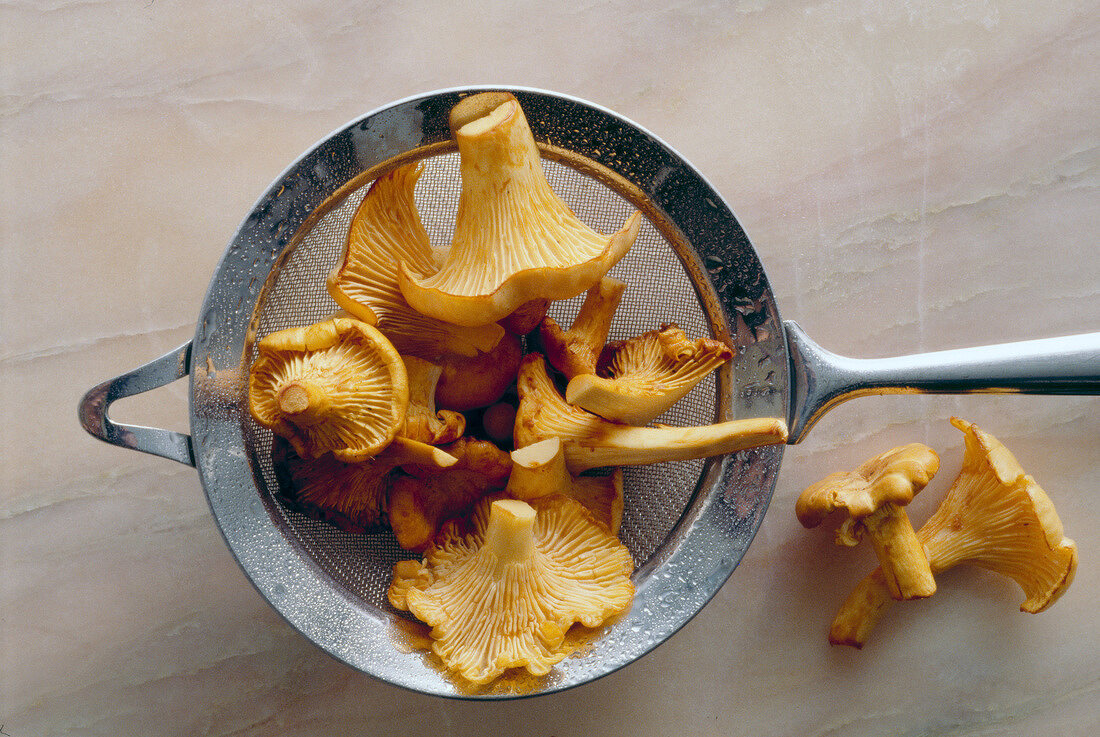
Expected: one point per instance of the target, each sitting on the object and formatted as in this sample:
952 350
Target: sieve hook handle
820 380
157 373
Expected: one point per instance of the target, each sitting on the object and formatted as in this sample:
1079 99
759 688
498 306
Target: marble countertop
914 178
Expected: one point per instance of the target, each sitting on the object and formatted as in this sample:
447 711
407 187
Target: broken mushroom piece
873 497
504 595
994 516
539 470
515 240
577 350
646 375
338 385
386 231
422 501
422 421
592 442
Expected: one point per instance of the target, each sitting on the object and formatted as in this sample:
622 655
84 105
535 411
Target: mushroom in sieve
539 470
420 502
592 442
386 231
335 386
515 240
504 594
577 350
646 375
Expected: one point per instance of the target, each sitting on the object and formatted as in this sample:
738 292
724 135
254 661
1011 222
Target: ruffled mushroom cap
515 240
386 230
592 442
504 595
422 422
421 502
873 497
337 385
646 375
994 516
577 351
539 470
350 496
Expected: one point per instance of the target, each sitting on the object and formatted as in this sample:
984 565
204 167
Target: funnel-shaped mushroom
421 502
994 516
592 442
873 497
515 240
539 470
577 350
337 385
386 231
504 595
646 375
422 422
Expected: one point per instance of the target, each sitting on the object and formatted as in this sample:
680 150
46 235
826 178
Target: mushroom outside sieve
687 524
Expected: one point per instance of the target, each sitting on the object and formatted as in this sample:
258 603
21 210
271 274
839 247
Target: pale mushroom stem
304 400
861 611
539 470
904 563
623 445
510 532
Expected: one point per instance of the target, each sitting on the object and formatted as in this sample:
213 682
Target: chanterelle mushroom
577 350
504 595
422 421
351 496
421 502
386 231
515 240
874 496
338 385
539 470
592 442
646 375
994 516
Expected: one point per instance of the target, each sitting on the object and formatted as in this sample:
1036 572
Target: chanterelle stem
305 400
904 562
510 532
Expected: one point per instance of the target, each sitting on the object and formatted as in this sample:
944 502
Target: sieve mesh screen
659 291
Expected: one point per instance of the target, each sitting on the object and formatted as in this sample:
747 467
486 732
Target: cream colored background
914 178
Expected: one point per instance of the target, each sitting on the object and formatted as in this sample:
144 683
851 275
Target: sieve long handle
820 380
157 373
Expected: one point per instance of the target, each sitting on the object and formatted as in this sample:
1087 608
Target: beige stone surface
915 176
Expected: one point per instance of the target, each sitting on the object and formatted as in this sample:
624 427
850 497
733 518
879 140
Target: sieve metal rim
715 530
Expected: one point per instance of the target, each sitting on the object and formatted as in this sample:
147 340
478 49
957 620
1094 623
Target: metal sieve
686 524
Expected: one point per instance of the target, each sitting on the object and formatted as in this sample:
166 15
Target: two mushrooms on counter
994 516
368 406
